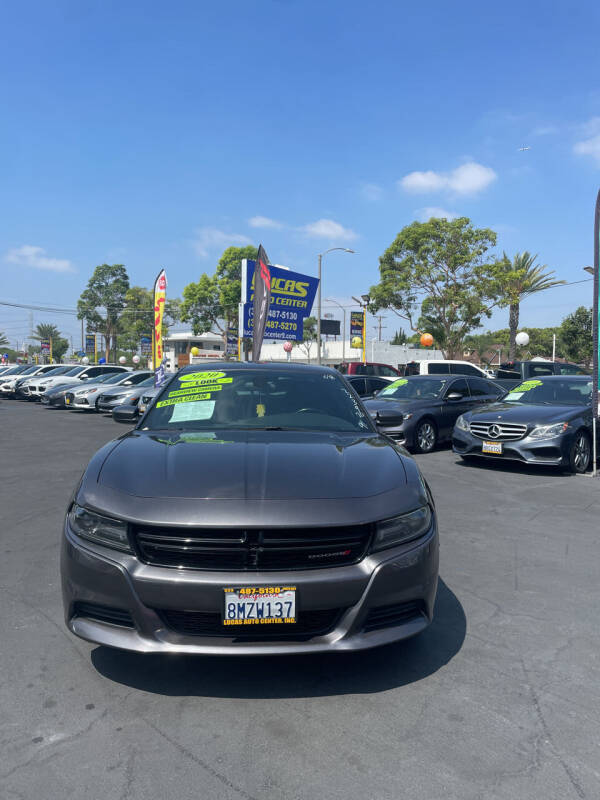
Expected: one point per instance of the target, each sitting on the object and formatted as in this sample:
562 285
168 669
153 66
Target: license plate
492 447
259 605
67 401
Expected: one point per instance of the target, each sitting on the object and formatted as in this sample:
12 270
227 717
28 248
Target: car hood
115 391
532 414
252 478
51 383
401 406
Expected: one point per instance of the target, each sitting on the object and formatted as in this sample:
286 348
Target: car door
483 391
375 385
452 409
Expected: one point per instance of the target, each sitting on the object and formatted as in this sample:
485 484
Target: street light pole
331 249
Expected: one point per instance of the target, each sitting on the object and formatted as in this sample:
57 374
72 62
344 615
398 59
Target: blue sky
156 134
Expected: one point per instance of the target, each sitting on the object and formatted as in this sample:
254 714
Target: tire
580 454
426 436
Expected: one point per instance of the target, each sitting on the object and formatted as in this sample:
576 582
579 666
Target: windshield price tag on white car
263 605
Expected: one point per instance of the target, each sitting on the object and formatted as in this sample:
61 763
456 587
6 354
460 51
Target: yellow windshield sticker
195 390
188 398
395 384
198 378
526 386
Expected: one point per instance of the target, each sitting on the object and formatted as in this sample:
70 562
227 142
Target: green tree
518 279
576 336
211 304
138 316
102 303
47 330
309 336
444 263
399 337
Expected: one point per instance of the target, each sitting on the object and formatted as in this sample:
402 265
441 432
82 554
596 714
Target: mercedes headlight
462 424
549 431
101 530
404 528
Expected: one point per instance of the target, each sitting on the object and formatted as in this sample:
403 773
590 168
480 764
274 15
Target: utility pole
380 318
82 341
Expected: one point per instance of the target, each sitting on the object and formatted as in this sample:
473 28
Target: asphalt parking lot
499 698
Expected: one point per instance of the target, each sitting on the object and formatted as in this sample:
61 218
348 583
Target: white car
79 373
26 388
444 367
86 397
8 384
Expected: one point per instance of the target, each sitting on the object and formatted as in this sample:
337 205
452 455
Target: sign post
596 323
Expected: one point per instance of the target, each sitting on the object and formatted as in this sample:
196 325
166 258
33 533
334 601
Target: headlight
99 529
85 392
401 529
549 431
462 424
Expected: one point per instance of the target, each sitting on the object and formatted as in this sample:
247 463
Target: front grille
503 431
114 616
209 623
397 614
41 389
250 549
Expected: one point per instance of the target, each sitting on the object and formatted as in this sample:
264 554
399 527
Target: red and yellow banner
160 297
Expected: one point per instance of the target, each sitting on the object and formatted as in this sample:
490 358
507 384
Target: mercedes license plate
259 605
492 447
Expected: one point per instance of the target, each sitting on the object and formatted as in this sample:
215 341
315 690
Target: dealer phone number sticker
259 605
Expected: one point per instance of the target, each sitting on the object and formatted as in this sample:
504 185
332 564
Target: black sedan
254 509
367 385
55 396
545 421
419 411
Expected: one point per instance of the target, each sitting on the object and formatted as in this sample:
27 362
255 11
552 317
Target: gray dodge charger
253 509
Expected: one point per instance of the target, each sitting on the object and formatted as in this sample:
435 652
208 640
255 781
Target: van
369 368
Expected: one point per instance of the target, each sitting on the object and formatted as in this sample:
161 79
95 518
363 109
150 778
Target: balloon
136 359
194 351
102 360
356 341
426 340
122 360
287 346
85 360
522 339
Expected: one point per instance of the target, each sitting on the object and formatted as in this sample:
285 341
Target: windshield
116 378
258 399
29 370
56 371
552 392
413 389
147 382
74 371
13 371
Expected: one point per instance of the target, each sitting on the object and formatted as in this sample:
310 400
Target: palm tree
45 330
3 339
520 278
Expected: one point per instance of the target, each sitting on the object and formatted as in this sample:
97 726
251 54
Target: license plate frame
67 401
492 448
251 604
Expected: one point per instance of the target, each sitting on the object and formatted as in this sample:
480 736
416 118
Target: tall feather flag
262 301
160 297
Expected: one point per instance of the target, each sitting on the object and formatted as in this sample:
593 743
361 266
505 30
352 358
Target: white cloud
30 256
329 229
264 222
207 240
590 146
469 178
426 213
371 192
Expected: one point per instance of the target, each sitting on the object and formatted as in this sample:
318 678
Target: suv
370 368
443 367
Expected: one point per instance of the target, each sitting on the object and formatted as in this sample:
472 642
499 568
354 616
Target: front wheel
425 437
580 454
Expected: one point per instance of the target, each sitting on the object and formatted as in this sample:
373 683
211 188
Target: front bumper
108 405
552 452
403 577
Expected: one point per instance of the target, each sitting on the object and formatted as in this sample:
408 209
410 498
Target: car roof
579 378
263 366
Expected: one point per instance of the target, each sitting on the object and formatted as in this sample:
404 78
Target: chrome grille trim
509 432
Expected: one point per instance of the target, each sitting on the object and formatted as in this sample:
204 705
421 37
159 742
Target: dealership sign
292 297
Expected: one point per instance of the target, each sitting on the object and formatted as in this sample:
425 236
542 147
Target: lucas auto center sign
292 298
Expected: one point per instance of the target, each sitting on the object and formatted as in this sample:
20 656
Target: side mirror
127 414
454 396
